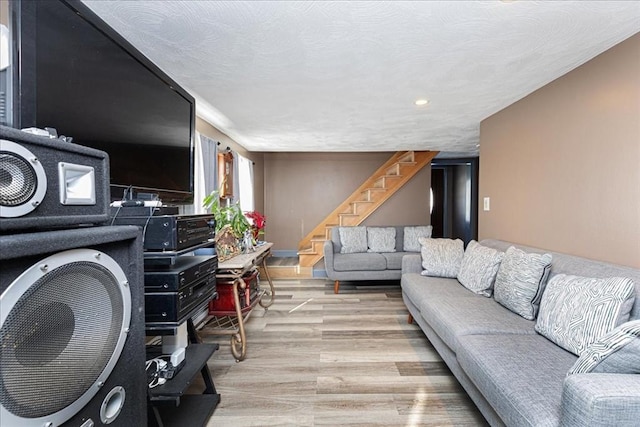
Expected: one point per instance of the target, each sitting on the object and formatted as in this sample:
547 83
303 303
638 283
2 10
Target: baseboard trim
284 253
320 273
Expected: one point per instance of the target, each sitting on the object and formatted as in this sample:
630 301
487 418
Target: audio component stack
174 292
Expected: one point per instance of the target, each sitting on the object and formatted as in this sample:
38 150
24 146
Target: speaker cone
23 182
64 322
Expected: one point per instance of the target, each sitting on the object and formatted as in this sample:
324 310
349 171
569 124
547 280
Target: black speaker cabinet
72 328
48 183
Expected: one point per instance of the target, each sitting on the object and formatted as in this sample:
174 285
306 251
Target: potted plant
231 215
232 226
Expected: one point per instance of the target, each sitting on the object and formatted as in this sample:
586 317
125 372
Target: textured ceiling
343 76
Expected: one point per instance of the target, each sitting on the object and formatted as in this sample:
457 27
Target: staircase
384 182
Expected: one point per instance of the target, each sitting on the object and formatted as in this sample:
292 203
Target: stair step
394 170
361 206
408 156
318 239
309 251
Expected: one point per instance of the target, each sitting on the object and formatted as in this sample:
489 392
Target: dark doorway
454 183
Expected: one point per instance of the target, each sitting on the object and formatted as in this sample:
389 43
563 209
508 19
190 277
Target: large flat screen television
76 74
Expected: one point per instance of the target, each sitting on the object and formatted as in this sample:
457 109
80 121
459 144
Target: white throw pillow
617 352
381 239
412 234
521 280
441 257
353 239
479 268
576 311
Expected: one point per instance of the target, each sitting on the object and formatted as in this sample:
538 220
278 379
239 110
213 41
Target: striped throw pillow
441 257
577 311
617 352
479 268
521 281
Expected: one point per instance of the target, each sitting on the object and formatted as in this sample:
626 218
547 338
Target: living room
559 169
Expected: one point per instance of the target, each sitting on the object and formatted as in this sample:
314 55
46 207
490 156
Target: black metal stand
169 405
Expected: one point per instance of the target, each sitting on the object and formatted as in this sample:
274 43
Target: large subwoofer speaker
72 328
47 183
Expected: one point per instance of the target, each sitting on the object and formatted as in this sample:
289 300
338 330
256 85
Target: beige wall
207 129
302 188
4 12
562 166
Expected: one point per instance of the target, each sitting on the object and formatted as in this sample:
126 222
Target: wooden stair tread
309 251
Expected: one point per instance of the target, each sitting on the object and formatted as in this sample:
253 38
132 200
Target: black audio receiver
173 308
185 271
171 232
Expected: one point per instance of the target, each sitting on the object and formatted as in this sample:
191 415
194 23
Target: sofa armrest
412 263
327 250
601 400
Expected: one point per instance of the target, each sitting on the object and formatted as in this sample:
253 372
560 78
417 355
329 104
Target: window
245 183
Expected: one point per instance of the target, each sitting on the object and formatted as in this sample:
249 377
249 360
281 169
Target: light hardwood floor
319 359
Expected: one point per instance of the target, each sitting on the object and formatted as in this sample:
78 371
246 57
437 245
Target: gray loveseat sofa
515 376
366 265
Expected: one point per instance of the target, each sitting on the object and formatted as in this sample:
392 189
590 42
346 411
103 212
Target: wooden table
233 270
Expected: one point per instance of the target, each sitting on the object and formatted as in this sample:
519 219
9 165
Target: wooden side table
233 270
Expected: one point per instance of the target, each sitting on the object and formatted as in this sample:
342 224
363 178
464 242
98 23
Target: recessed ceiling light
422 101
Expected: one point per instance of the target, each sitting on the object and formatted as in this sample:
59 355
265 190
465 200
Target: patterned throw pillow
576 311
521 280
353 239
479 268
441 257
411 236
381 239
617 352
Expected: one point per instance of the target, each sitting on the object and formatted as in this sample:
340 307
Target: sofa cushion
394 260
469 314
419 288
411 236
479 268
521 376
381 239
521 281
353 239
441 257
616 352
359 262
576 311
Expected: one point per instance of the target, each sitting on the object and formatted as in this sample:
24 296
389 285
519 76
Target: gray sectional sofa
516 376
362 264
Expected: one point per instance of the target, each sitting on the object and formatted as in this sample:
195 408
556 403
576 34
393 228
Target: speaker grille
18 181
58 338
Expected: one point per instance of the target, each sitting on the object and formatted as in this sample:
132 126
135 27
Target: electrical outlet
487 204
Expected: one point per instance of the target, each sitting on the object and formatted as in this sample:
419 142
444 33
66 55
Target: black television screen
77 75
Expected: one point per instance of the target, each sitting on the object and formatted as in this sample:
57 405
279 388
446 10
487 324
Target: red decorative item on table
258 222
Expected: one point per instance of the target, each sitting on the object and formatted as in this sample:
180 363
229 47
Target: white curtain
205 170
236 178
245 181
